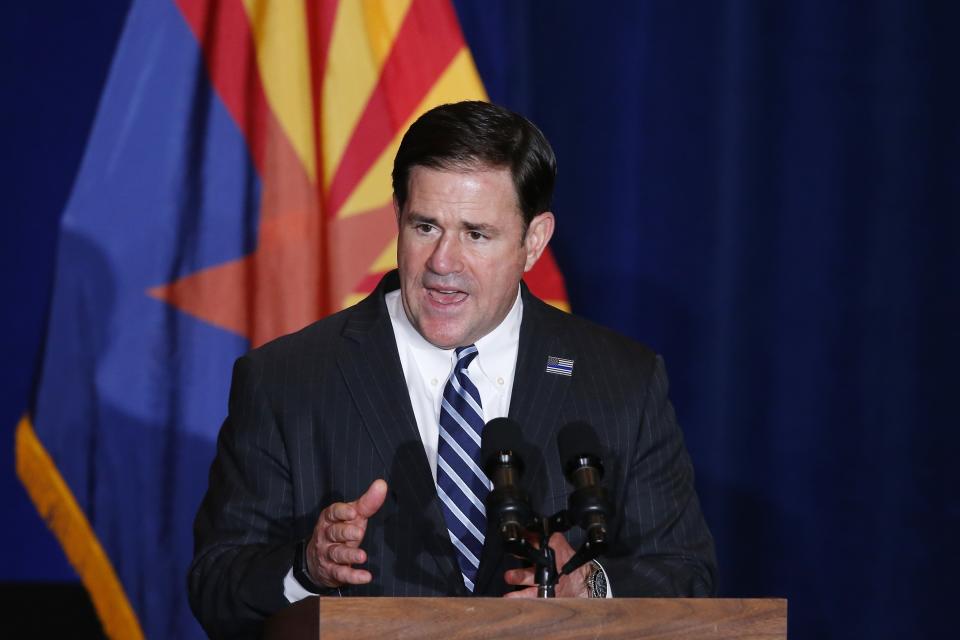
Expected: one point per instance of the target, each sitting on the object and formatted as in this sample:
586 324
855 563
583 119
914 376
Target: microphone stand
546 574
516 541
543 556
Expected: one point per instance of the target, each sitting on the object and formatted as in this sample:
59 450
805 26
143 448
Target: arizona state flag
235 187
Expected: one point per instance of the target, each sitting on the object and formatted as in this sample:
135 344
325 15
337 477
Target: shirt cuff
293 591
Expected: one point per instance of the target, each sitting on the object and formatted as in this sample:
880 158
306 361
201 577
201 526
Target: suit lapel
371 368
535 404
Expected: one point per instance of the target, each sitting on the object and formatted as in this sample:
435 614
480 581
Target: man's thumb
371 501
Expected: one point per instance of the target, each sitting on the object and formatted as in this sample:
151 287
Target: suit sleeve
244 543
662 546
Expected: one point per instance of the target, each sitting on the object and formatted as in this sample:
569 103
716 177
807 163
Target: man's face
462 252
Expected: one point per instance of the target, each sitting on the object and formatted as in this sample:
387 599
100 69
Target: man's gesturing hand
335 544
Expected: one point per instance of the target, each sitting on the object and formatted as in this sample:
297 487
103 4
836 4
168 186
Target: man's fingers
342 554
529 592
340 512
519 577
345 532
561 547
371 501
363 507
346 575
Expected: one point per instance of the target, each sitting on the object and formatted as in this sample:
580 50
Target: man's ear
396 210
539 232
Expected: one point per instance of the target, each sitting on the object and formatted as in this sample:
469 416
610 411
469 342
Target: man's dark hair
476 135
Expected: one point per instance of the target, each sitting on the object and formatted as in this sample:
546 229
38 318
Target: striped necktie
461 484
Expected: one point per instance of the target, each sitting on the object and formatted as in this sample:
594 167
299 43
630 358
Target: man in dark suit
348 462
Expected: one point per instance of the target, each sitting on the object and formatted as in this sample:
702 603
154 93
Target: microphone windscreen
500 434
577 439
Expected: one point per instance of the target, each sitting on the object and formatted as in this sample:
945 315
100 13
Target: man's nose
447 255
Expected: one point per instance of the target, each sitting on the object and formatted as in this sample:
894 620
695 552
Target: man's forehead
474 183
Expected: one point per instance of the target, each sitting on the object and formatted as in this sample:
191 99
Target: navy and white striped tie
461 484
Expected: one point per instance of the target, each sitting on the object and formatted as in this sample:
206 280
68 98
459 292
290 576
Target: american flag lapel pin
560 366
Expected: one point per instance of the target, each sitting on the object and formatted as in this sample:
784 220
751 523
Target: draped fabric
769 194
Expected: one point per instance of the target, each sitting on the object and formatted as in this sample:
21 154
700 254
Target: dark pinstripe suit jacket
316 416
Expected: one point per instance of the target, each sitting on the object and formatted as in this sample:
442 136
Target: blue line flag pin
559 366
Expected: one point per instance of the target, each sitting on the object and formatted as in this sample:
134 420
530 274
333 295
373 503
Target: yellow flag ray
459 81
363 34
283 58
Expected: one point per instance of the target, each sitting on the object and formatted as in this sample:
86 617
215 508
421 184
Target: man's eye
423 227
476 235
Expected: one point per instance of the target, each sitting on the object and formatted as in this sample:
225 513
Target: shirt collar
497 351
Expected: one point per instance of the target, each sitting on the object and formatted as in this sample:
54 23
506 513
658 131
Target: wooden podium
453 618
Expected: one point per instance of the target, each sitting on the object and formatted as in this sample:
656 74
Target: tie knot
465 355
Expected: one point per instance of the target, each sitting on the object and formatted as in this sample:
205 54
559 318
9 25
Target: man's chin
443 335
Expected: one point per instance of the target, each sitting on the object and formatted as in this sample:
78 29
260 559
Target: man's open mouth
446 296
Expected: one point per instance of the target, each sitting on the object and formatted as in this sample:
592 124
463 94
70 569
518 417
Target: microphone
503 464
589 505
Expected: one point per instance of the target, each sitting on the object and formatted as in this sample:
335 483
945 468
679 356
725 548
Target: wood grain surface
452 618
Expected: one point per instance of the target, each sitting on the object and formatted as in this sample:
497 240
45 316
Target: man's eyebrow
483 227
419 218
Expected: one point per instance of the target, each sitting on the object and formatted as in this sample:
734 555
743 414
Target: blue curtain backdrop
768 193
